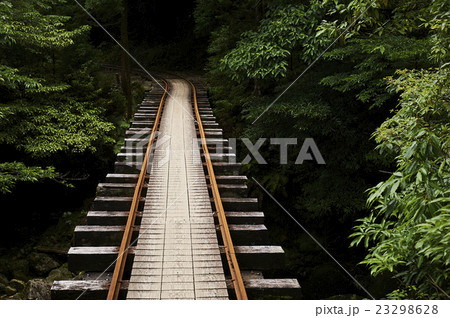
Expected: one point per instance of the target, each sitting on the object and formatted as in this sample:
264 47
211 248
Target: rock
17 296
61 273
10 291
79 276
58 274
42 264
17 284
20 269
54 275
37 289
4 280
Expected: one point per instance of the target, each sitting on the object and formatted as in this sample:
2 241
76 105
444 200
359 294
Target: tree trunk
258 16
125 59
256 87
258 13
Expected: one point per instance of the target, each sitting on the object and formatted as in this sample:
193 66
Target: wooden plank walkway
177 254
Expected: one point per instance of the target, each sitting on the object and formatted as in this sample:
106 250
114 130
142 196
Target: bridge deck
177 254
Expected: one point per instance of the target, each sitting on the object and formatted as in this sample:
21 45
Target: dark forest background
376 104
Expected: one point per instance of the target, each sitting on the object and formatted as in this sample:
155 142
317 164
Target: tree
264 53
44 119
110 9
407 232
125 59
340 101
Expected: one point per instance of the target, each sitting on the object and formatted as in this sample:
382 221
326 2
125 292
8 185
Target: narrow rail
236 276
119 268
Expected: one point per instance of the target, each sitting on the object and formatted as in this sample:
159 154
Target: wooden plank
109 217
87 289
109 235
255 287
240 204
270 288
114 203
99 257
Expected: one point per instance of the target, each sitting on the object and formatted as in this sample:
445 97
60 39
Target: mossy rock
10 290
17 284
61 273
42 264
37 289
79 276
17 296
54 275
15 268
20 269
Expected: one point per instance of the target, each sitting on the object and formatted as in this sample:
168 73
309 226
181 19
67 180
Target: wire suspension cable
315 240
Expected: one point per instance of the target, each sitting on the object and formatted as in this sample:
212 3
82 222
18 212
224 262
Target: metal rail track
119 268
236 276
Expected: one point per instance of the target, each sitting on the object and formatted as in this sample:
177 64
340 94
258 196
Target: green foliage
339 129
41 31
256 59
13 172
46 130
26 29
339 102
440 30
52 110
408 230
366 62
285 40
264 53
410 292
107 9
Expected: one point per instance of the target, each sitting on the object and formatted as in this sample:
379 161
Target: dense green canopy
367 80
50 102
361 61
